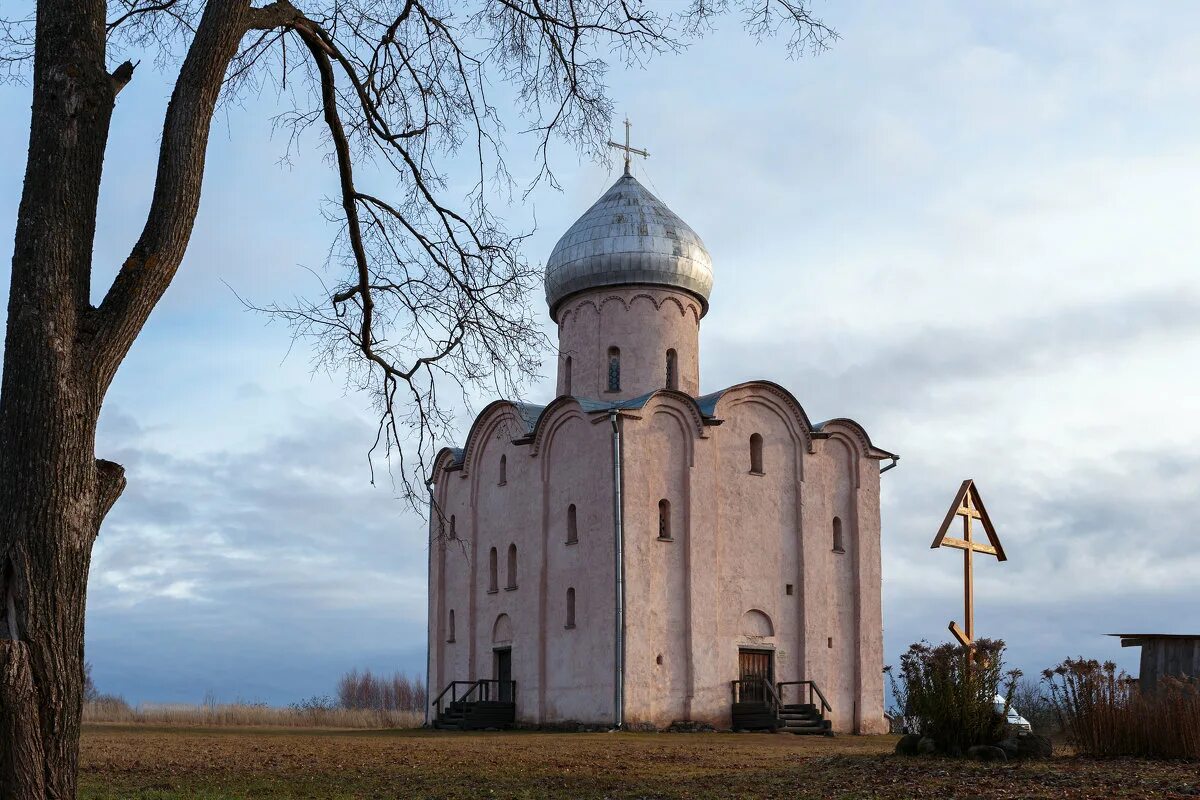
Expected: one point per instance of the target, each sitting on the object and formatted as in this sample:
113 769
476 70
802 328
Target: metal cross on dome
628 150
968 505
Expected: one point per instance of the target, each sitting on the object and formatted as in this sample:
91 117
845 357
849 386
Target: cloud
904 370
970 229
281 553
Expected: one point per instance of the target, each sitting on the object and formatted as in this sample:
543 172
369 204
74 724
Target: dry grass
240 714
149 763
1105 714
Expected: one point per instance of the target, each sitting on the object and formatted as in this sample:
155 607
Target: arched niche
502 630
756 625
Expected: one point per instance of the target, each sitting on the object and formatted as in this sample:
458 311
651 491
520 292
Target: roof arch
861 440
783 401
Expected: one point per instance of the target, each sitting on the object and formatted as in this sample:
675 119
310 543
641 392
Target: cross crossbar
963 544
627 148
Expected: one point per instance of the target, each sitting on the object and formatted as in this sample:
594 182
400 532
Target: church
636 553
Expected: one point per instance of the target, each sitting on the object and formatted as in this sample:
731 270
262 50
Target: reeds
1104 713
364 700
298 715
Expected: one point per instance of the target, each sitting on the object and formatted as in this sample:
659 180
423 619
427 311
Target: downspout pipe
893 465
429 545
619 572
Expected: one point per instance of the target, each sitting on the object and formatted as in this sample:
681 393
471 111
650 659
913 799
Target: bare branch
122 75
152 264
437 291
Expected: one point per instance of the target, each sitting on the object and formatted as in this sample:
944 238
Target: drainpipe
619 571
428 601
895 462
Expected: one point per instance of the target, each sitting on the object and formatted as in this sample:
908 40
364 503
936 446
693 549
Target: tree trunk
49 482
60 355
22 760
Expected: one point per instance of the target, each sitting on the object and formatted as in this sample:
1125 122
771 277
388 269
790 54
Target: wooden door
503 672
755 667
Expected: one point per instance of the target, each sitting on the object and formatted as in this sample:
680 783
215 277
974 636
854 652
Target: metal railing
756 690
813 689
483 690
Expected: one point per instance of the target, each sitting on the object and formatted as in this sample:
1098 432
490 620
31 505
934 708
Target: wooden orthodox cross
968 505
628 150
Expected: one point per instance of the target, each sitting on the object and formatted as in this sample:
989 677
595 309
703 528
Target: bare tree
432 289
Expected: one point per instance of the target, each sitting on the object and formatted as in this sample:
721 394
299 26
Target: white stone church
636 553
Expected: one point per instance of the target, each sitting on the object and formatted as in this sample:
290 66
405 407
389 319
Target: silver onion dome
628 237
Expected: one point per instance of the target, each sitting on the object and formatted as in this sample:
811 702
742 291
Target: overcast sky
973 229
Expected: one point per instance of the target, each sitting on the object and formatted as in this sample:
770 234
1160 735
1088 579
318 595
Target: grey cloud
1090 552
262 573
903 368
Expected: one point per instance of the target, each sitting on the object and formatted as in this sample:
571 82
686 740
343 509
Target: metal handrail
767 695
483 686
776 703
812 688
452 687
770 696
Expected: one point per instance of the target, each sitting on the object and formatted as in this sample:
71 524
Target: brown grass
152 763
243 714
1105 714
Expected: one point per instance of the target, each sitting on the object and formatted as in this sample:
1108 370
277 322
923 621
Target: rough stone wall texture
657 451
643 322
561 674
737 539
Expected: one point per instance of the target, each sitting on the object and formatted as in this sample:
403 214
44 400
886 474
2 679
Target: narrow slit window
672 370
756 458
493 580
512 567
571 607
614 369
664 519
572 525
450 636
839 546
503 470
453 527
567 365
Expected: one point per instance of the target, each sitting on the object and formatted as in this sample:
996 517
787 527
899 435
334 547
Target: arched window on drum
614 369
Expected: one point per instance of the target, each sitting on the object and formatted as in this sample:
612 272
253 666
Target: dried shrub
948 692
363 700
310 713
1104 713
365 690
1032 700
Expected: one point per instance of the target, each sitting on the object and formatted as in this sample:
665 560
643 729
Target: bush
1104 713
107 707
1032 700
90 692
365 691
947 693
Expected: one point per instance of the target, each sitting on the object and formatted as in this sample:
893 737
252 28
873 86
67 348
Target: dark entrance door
503 672
756 670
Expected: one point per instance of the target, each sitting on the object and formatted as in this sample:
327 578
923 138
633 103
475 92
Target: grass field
137 761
